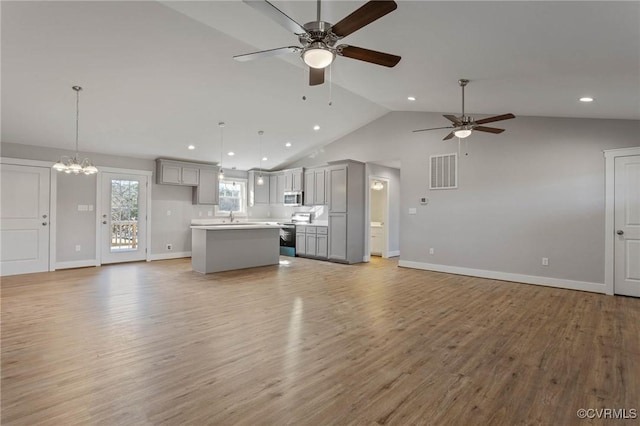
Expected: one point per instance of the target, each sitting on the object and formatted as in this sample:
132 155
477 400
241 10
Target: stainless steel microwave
293 198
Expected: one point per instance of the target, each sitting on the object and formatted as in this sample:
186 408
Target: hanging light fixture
377 185
74 165
221 173
260 179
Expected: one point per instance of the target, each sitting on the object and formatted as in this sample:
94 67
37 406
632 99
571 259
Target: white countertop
239 225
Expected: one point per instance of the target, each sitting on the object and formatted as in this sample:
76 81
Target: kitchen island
225 247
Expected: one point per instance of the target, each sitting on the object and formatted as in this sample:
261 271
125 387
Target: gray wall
73 227
535 191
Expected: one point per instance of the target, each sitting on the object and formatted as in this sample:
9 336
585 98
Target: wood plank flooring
310 343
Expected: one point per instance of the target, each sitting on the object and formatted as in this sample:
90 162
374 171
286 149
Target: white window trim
225 213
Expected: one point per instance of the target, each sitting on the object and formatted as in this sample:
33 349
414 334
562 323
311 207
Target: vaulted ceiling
159 76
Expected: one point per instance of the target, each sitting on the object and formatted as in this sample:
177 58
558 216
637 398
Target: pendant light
260 178
221 173
74 165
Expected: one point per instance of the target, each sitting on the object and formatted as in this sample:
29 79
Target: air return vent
444 171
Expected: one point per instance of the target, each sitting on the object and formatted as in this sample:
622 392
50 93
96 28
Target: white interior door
627 226
123 217
24 218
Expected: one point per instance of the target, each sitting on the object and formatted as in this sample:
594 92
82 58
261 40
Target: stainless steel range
288 232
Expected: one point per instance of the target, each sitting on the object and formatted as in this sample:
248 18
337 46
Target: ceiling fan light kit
318 38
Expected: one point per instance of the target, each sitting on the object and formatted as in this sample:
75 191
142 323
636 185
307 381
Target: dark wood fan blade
455 120
488 129
449 136
316 76
276 15
267 53
363 16
371 56
433 128
496 118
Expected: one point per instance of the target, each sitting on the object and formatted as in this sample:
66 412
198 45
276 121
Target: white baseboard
174 255
393 253
76 264
507 276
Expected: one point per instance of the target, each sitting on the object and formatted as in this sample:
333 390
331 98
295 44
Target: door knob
44 223
620 232
104 222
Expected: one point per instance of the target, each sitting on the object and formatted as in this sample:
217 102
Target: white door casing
25 219
110 254
627 226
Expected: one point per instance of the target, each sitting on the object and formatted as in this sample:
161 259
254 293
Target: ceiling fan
464 125
319 38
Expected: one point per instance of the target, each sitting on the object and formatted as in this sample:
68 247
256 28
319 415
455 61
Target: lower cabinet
312 241
338 237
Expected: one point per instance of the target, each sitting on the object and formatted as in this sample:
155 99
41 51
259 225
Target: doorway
24 218
123 217
379 216
622 265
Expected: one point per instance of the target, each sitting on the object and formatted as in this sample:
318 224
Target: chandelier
74 165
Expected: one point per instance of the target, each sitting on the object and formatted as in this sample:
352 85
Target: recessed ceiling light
191 147
316 127
264 158
231 153
586 99
411 98
288 144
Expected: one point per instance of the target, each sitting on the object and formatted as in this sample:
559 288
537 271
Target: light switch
168 212
412 210
83 207
90 207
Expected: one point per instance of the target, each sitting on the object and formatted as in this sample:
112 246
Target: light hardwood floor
309 343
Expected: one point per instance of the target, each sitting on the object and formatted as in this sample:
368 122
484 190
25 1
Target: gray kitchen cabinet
207 191
322 246
319 188
301 243
338 236
280 188
346 195
314 240
293 180
315 187
176 173
273 190
309 188
338 189
258 194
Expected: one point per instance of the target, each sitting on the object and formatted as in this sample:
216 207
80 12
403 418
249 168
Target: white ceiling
160 76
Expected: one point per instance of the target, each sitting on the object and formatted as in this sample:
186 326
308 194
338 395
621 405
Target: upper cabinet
207 191
170 172
293 179
258 193
202 177
315 186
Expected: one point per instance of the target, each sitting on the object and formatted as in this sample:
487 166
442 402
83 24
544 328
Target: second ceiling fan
319 38
464 125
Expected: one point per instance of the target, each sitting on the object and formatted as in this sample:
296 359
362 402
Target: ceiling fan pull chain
304 83
330 86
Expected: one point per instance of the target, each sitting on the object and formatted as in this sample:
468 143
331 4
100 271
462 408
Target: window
233 197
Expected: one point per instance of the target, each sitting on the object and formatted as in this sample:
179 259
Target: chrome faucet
231 216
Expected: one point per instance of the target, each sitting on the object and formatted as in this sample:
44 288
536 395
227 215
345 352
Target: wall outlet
413 210
168 212
169 246
545 261
78 247
432 250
